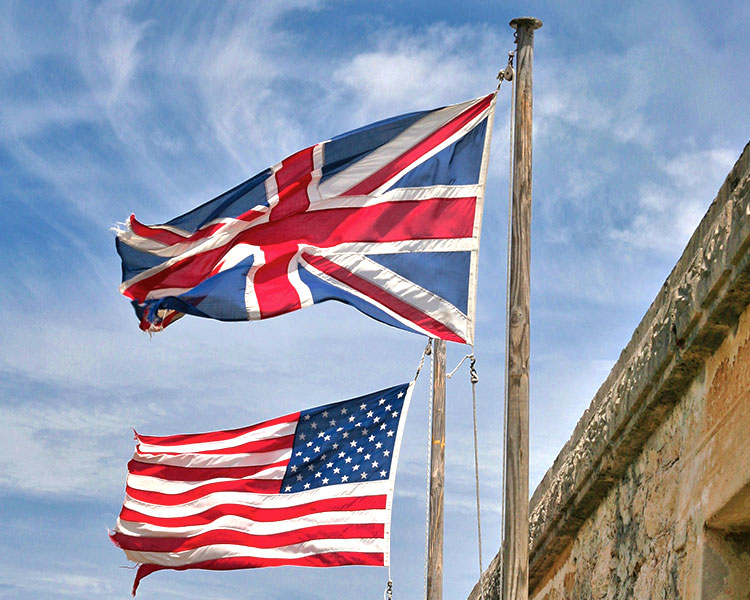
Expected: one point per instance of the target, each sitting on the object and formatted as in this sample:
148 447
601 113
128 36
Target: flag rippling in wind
313 488
385 218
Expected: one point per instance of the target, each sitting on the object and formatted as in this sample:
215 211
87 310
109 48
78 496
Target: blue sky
153 108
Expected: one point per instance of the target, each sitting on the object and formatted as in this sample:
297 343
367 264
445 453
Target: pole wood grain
437 475
515 584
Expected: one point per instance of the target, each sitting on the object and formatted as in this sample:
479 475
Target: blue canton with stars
345 442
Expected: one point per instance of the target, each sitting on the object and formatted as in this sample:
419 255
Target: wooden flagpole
437 475
516 535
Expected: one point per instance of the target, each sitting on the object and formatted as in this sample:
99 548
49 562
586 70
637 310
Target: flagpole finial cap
532 22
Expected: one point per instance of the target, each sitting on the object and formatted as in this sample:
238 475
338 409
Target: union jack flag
385 218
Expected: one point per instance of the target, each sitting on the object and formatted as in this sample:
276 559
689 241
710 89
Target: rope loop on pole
453 372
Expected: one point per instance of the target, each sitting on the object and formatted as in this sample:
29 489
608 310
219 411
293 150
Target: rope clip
389 590
472 370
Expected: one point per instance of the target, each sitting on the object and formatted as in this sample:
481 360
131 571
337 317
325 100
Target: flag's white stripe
400 247
155 294
164 486
252 305
213 552
272 187
376 160
428 155
303 292
394 466
215 460
368 488
313 188
235 523
407 194
473 270
272 431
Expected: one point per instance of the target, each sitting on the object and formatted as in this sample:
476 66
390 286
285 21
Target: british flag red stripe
416 179
322 499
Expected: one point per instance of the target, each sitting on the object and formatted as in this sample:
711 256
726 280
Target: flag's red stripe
275 293
250 486
391 302
374 181
266 445
254 513
213 436
386 222
169 238
170 473
239 538
329 559
433 218
292 180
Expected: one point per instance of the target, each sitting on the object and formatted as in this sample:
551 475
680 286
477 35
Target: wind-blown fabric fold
313 488
385 218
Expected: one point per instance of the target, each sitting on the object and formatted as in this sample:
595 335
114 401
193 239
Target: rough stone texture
648 538
603 520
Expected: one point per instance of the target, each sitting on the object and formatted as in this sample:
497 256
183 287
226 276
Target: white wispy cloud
668 212
407 69
59 450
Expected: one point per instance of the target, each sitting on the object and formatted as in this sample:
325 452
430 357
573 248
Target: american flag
313 488
385 218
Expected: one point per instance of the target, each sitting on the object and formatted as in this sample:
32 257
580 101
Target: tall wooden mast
516 535
437 475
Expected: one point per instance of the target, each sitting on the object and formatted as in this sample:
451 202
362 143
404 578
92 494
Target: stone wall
650 497
648 537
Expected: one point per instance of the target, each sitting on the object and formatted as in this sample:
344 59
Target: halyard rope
428 351
474 380
507 299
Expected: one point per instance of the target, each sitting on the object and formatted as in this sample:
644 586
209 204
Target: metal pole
437 475
516 534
